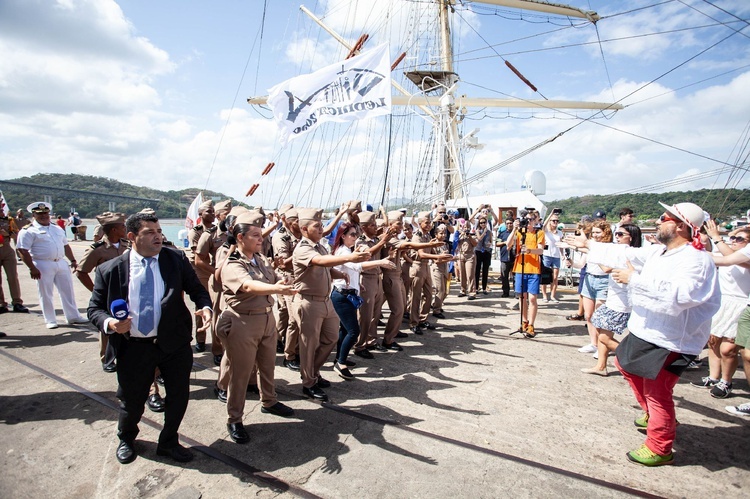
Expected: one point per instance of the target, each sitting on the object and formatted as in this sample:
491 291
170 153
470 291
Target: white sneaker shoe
740 410
587 348
596 355
52 325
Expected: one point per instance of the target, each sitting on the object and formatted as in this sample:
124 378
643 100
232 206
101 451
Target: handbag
355 300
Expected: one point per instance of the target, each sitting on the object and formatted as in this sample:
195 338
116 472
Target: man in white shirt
42 246
674 297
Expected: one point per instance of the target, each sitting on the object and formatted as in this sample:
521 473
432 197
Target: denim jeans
348 325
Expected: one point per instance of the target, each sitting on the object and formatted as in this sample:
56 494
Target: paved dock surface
467 410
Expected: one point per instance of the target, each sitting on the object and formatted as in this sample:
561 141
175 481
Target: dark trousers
348 325
136 363
505 276
483 267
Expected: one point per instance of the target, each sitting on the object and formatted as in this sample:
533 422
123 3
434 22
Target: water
170 227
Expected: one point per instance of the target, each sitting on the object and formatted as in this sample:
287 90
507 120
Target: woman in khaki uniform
439 272
247 327
466 259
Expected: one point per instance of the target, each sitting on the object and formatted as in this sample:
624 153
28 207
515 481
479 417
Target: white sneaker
596 355
588 348
52 325
739 410
546 300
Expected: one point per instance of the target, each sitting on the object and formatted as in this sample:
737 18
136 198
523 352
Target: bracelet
717 242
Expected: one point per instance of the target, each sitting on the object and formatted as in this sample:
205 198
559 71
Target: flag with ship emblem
3 205
353 89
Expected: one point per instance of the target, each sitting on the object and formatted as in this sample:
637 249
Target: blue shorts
530 283
551 262
595 287
581 279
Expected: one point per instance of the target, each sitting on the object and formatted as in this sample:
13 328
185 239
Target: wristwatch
717 241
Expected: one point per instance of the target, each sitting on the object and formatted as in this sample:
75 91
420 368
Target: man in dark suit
156 333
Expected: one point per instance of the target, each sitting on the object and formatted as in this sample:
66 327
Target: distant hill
723 204
78 195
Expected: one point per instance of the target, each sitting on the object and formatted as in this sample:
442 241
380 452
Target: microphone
119 309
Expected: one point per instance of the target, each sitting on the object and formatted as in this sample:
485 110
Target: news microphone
119 309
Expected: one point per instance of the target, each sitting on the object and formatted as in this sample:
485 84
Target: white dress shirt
44 242
137 277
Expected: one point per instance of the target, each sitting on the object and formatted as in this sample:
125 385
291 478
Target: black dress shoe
292 365
217 359
178 453
200 347
401 334
323 383
278 409
378 347
365 354
220 394
109 368
392 346
3 335
126 452
279 346
238 433
155 403
253 389
417 330
426 325
349 363
315 392
20 309
381 323
439 315
159 380
4 310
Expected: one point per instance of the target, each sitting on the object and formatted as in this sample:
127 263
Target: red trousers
655 397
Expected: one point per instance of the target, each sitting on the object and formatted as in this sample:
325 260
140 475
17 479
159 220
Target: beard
665 236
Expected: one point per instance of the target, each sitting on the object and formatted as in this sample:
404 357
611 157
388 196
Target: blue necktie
146 299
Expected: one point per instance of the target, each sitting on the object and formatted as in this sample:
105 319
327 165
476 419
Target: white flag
354 89
192 213
3 205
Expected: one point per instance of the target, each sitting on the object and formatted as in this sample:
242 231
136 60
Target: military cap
379 222
424 215
206 205
292 213
307 215
223 206
39 207
366 217
109 218
285 208
260 210
251 217
148 211
237 210
354 205
395 216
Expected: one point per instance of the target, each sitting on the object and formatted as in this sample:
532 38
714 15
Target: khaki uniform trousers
201 337
249 339
406 283
214 291
318 334
372 294
421 294
288 327
439 287
467 266
393 292
9 267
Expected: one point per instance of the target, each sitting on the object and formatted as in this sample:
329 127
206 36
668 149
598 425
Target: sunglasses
482 223
737 239
554 221
667 218
621 234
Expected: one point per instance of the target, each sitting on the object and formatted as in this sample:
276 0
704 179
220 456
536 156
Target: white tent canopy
518 200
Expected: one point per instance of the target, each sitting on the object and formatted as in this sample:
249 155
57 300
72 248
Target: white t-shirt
551 239
351 269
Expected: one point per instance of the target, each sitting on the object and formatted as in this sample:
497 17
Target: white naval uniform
46 244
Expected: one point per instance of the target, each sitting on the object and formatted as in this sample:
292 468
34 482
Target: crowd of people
288 283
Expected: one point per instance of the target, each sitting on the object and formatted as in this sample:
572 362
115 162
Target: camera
557 211
523 223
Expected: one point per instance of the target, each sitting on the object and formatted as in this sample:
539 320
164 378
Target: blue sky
144 92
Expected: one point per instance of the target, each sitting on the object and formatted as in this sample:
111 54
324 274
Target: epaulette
27 225
281 230
198 228
97 244
213 229
362 238
305 242
226 245
235 255
286 238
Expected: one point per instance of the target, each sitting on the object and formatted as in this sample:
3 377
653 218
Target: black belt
345 291
138 339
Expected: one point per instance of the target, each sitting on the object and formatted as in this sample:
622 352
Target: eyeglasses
621 234
554 221
737 239
667 218
482 223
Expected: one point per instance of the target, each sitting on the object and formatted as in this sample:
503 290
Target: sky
154 94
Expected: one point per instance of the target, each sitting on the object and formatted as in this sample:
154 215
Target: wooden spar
358 46
523 78
268 169
398 61
252 190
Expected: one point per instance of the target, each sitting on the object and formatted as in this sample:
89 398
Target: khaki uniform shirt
391 244
8 231
310 279
418 237
208 243
465 249
100 252
194 237
236 272
284 242
369 243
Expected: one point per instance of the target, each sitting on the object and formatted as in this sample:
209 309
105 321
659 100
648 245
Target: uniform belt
313 297
138 339
46 259
599 276
256 311
345 291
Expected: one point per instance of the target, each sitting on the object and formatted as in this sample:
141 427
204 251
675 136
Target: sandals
575 317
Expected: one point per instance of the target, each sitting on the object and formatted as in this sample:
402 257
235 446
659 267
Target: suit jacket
175 327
